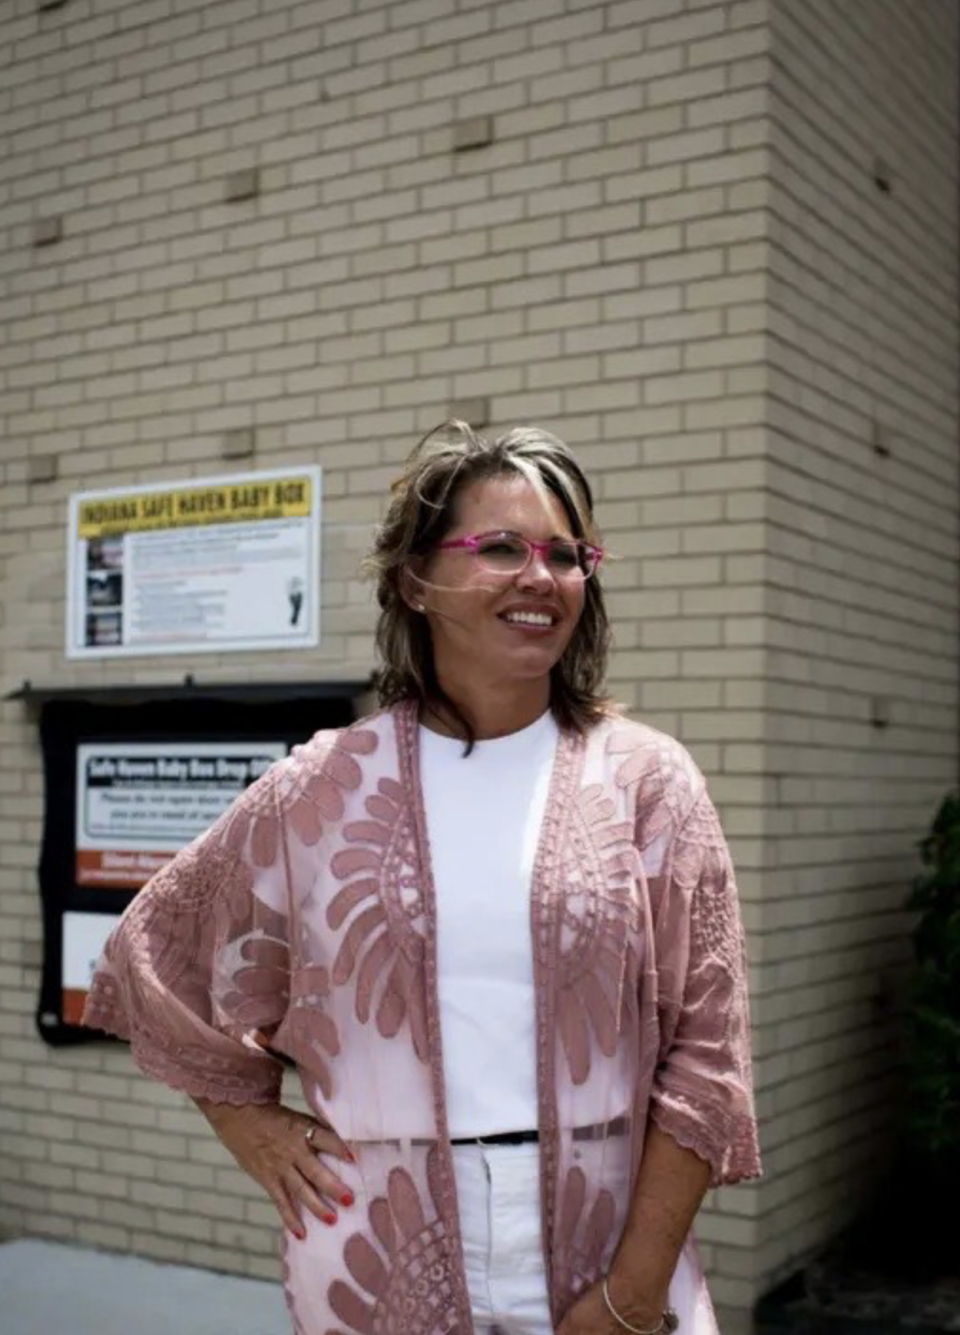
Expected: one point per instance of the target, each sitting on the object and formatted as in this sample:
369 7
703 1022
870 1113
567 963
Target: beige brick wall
641 261
861 560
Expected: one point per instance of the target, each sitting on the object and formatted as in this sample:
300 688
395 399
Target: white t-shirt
484 813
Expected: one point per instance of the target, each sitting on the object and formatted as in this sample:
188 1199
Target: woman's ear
411 589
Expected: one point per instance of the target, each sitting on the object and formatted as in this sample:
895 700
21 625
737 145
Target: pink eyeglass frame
471 541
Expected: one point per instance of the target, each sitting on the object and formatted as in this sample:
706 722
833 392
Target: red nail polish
329 1218
301 1233
346 1198
351 1156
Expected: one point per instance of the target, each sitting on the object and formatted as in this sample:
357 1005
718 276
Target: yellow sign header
186 507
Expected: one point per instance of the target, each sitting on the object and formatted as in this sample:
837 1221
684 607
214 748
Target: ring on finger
309 1134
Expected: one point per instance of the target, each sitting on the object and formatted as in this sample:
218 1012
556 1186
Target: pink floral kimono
304 922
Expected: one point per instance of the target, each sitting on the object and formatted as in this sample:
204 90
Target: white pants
498 1189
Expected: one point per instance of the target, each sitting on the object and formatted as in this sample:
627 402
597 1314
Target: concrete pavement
47 1288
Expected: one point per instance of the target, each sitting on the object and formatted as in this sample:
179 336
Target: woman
494 926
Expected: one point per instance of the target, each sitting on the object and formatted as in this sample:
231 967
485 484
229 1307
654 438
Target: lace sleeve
195 974
703 1093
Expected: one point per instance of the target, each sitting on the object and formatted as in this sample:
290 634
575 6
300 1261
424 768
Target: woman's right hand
269 1142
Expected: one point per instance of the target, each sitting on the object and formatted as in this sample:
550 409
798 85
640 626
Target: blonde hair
420 514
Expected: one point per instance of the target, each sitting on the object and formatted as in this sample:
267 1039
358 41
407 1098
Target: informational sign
138 803
127 784
207 565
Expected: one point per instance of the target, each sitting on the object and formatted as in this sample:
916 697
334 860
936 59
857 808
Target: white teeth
530 618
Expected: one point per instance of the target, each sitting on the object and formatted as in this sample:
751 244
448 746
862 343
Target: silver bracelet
668 1323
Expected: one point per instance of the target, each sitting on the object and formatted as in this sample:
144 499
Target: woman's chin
527 664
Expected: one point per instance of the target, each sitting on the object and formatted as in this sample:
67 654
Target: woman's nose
537 573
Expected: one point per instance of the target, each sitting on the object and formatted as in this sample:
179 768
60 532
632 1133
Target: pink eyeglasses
511 553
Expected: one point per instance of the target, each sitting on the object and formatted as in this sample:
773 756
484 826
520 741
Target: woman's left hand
589 1316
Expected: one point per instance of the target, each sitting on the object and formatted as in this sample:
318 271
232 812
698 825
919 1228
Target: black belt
503 1138
616 1127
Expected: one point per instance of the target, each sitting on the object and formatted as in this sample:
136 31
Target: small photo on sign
104 628
104 588
105 554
